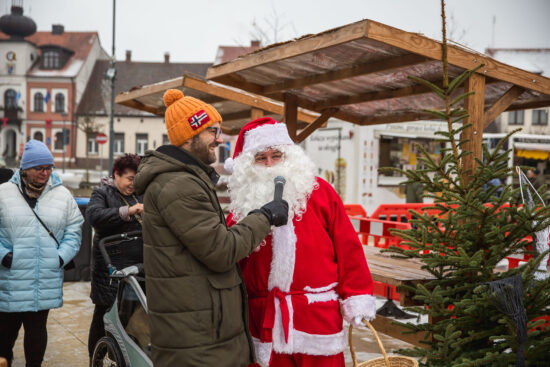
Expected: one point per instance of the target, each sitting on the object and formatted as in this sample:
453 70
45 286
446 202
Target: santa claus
298 278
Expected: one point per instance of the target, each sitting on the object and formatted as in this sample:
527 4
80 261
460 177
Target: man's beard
251 185
202 150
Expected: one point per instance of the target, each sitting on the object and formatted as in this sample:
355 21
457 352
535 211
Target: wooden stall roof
360 71
234 105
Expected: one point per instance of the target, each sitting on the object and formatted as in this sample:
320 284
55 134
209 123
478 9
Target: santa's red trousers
305 360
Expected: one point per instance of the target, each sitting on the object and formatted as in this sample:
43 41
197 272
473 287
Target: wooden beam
474 104
389 119
238 115
386 326
149 89
373 96
256 113
248 99
502 104
239 82
529 105
350 72
291 114
411 90
140 106
418 44
289 49
315 124
340 114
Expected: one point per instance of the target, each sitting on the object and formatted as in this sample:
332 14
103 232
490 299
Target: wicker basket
386 361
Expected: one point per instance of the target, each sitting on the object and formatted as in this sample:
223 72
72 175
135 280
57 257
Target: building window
51 60
93 146
540 117
58 141
59 102
9 99
165 140
38 136
403 153
515 118
119 143
38 102
141 144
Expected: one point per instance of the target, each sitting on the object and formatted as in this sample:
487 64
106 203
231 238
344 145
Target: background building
42 80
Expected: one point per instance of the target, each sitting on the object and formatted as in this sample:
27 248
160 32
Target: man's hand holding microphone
276 211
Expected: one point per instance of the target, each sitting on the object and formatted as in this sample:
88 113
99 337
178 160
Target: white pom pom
228 165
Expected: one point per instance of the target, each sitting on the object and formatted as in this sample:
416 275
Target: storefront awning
533 154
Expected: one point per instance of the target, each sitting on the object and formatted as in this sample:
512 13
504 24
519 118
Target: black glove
276 212
6 261
61 262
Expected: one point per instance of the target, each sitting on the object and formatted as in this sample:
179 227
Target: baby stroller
127 340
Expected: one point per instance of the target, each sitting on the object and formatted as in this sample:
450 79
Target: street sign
101 138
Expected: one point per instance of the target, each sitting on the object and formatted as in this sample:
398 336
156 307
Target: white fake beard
251 185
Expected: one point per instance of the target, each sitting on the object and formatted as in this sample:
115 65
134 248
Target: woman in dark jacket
113 209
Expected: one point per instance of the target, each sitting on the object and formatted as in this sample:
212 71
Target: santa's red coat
297 279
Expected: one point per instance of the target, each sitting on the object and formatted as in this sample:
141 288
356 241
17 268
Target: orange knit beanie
186 117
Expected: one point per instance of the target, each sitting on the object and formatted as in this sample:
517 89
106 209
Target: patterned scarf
31 189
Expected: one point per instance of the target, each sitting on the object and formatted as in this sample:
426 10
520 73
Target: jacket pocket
227 304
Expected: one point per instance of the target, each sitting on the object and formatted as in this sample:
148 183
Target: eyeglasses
262 158
43 168
217 131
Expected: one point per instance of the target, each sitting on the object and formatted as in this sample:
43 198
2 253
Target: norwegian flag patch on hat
198 119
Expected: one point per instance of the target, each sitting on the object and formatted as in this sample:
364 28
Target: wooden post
315 124
256 113
474 104
291 114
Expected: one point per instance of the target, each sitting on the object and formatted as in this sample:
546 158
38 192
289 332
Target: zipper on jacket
220 320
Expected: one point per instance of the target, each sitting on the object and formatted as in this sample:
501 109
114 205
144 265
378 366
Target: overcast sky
192 30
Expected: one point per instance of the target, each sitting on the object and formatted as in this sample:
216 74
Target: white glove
357 321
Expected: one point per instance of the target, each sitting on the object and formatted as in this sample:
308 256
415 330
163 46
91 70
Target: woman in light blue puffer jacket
31 270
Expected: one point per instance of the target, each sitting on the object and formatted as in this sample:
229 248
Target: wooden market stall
359 73
235 106
356 73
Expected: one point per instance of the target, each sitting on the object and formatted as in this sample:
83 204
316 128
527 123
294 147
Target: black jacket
103 214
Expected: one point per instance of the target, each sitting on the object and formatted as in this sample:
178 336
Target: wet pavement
68 333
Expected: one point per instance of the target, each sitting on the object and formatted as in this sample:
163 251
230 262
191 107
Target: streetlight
111 74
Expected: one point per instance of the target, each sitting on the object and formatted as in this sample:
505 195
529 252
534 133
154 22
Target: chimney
128 55
167 57
58 29
255 43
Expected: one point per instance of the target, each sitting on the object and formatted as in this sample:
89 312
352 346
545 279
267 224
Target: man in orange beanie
195 291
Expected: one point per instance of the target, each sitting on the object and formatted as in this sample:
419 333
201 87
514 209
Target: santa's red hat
259 135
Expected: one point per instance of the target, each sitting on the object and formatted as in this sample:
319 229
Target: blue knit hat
36 154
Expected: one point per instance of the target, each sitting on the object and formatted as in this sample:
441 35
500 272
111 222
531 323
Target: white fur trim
228 165
321 297
262 351
301 342
284 257
361 305
321 289
266 136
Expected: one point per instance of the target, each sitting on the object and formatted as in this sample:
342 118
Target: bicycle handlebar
127 236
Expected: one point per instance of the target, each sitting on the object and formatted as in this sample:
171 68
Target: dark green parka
197 301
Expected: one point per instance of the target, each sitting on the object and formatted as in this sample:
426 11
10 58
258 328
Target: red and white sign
101 138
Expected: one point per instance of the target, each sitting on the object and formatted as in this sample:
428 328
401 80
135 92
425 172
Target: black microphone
279 186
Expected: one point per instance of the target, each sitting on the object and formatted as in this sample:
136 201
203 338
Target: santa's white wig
251 185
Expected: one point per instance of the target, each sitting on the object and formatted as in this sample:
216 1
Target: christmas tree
472 230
